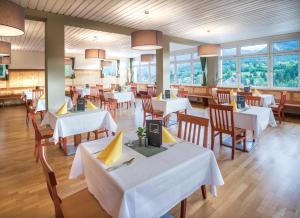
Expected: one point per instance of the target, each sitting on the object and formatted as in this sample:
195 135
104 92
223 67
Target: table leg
77 140
183 208
64 145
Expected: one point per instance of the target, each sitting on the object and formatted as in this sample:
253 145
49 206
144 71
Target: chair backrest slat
253 100
147 103
192 127
223 97
221 118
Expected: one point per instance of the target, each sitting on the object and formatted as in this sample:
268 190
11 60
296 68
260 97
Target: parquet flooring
262 183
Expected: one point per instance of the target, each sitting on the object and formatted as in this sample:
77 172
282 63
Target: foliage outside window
184 73
197 73
229 75
254 71
172 73
285 70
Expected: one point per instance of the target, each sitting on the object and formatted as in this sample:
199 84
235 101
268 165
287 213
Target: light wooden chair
113 106
191 128
245 93
223 97
148 109
150 90
278 109
253 100
222 122
182 94
103 101
29 109
81 204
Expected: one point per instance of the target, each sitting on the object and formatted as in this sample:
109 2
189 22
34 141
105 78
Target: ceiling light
147 57
105 63
97 54
146 12
5 60
209 50
12 19
5 48
146 40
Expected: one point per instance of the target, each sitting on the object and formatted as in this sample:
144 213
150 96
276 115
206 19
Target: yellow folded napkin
256 92
231 92
159 97
90 105
238 90
62 110
113 151
167 137
233 104
112 90
173 96
42 96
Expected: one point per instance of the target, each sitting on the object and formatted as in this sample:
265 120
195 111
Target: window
153 73
2 70
184 57
184 73
144 73
285 70
197 73
68 71
285 45
228 52
172 58
254 49
229 72
254 71
135 73
172 73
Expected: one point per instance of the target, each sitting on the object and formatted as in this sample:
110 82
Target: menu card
80 104
167 94
154 132
247 89
240 101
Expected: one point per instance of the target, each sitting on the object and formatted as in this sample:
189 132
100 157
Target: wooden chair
148 109
150 91
133 88
223 97
36 94
191 128
29 109
40 134
245 93
222 121
75 97
81 204
103 101
94 94
182 93
253 100
278 109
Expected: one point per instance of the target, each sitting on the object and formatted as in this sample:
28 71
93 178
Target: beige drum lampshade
209 50
146 40
97 54
148 57
5 48
105 63
12 19
68 61
5 60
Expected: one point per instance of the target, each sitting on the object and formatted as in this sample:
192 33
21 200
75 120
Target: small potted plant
141 133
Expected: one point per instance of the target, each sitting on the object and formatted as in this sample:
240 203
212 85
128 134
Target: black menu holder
154 132
80 104
240 101
247 89
167 94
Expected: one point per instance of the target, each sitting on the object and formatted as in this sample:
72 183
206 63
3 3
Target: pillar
212 71
54 61
163 67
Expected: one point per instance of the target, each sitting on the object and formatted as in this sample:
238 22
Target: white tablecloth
171 105
79 122
150 186
28 94
120 96
266 100
41 104
255 118
83 91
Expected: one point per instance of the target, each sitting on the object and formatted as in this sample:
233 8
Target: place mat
147 151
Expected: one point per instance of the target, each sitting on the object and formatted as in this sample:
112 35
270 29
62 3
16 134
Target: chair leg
221 139
203 190
233 147
245 141
212 140
183 208
88 136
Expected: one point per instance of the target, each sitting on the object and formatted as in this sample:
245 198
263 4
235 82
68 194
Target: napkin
159 97
42 96
173 96
62 110
238 90
112 90
167 137
90 105
231 92
256 92
233 104
113 151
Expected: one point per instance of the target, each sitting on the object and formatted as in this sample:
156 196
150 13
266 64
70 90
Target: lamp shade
105 63
5 48
146 40
68 61
12 19
5 60
209 50
148 57
97 54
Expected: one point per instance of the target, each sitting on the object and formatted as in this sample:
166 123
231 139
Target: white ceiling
227 20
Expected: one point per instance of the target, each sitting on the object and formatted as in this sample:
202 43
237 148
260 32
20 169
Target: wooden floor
263 183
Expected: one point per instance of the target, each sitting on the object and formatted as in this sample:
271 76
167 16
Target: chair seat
239 131
82 205
46 132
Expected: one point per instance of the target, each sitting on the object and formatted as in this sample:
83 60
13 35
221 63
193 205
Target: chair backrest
113 86
180 88
134 90
36 128
253 100
150 91
94 92
51 182
282 99
182 93
191 128
221 118
223 97
99 86
245 93
75 97
112 106
36 94
147 103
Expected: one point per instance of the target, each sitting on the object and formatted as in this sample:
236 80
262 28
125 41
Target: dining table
85 91
121 97
171 105
150 186
74 123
